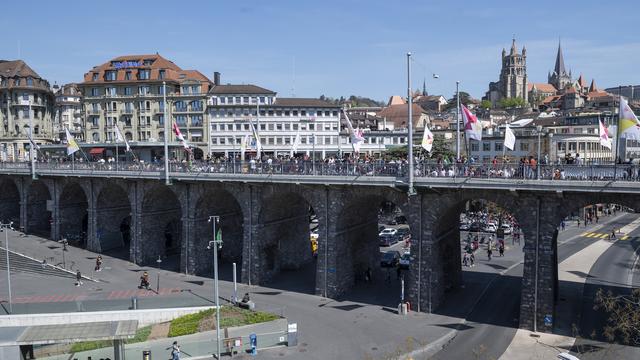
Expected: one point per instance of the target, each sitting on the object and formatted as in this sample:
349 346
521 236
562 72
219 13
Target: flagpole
31 159
458 121
116 156
166 133
615 158
411 190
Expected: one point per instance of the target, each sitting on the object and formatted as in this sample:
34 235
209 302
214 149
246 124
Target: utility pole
215 220
458 120
5 227
166 134
411 190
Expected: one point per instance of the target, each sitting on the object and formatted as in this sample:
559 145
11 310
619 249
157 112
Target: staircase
24 264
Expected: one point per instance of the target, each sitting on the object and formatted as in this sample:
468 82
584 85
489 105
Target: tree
624 315
485 104
512 102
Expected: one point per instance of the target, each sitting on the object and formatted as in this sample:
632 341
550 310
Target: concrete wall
144 317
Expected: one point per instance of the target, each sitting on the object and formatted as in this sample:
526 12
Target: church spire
424 87
514 49
559 68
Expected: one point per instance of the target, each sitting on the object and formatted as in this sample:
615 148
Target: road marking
624 237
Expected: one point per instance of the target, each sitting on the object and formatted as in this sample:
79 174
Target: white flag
509 138
243 146
257 138
296 143
427 139
33 143
605 140
357 136
121 138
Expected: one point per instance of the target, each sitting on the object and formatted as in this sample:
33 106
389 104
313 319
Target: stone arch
73 215
215 201
161 227
38 215
282 239
572 202
9 202
113 219
356 234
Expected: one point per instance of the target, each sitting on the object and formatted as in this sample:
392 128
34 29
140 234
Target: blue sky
336 48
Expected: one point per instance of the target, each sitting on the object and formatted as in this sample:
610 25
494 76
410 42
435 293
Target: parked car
490 228
405 260
404 234
388 231
380 228
388 240
465 227
390 259
475 227
506 228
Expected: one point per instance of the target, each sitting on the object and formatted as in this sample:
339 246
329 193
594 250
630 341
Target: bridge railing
560 172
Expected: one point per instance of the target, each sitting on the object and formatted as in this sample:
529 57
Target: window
110 91
195 89
196 120
287 126
161 120
270 127
95 77
561 146
263 127
144 74
245 99
312 126
29 81
95 91
486 146
196 105
221 100
144 90
497 146
161 106
110 75
237 100
214 141
230 100
127 121
318 113
181 120
95 136
524 146
261 99
127 75
295 112
475 147
127 91
161 74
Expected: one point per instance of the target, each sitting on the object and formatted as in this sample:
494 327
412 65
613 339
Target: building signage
126 64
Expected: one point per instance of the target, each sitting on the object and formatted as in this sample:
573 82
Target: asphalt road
493 321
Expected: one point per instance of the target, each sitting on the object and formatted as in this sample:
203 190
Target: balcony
94 112
127 111
144 111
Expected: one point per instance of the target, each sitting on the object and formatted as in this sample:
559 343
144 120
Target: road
492 323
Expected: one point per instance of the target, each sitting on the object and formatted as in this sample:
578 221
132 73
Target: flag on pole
257 139
628 124
243 146
509 138
296 142
472 127
72 145
33 143
176 130
357 135
121 138
605 140
427 139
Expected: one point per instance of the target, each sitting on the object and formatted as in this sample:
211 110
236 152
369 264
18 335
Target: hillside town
127 98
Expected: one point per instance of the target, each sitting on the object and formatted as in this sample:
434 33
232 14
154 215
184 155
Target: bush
188 324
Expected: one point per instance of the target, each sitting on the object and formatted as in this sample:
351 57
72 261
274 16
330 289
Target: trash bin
146 354
253 341
134 303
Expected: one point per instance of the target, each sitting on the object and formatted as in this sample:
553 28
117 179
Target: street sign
548 320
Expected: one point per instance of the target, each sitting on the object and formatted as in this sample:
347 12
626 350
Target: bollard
146 355
253 340
134 303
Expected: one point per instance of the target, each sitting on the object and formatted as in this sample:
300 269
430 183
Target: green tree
485 104
623 323
511 102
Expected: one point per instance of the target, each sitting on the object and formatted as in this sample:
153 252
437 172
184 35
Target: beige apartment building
25 99
128 91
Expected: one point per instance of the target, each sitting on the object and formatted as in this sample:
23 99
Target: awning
96 151
68 333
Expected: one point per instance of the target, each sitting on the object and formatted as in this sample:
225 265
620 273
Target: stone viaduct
265 223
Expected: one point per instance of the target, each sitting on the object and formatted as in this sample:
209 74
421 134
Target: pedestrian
78 278
562 225
613 233
98 263
489 252
175 351
501 250
44 263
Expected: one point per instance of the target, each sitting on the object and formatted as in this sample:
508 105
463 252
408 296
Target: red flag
472 127
176 130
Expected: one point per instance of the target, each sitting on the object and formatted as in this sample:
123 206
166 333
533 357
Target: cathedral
513 77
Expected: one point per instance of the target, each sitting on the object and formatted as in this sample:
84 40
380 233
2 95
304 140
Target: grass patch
142 334
230 316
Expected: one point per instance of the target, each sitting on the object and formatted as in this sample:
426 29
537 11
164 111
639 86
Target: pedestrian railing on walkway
374 168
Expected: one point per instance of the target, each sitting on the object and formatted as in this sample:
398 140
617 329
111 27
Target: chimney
216 78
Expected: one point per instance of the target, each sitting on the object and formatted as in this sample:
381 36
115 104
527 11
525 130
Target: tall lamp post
540 131
215 243
5 227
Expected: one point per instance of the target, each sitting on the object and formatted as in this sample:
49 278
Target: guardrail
398 170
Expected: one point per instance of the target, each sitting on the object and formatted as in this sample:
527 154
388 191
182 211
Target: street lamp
64 249
5 227
539 131
215 244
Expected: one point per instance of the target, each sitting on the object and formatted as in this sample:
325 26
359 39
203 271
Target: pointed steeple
592 87
424 87
504 52
514 50
581 82
559 68
524 51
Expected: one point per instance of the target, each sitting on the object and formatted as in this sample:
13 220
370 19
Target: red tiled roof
398 114
543 87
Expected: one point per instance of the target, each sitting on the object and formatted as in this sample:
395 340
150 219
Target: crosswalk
598 235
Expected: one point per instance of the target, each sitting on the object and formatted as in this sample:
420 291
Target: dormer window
29 81
95 77
144 74
161 74
110 75
127 75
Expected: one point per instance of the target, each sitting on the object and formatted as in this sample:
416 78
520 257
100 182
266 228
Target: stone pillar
24 196
543 229
135 250
250 256
93 242
190 250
